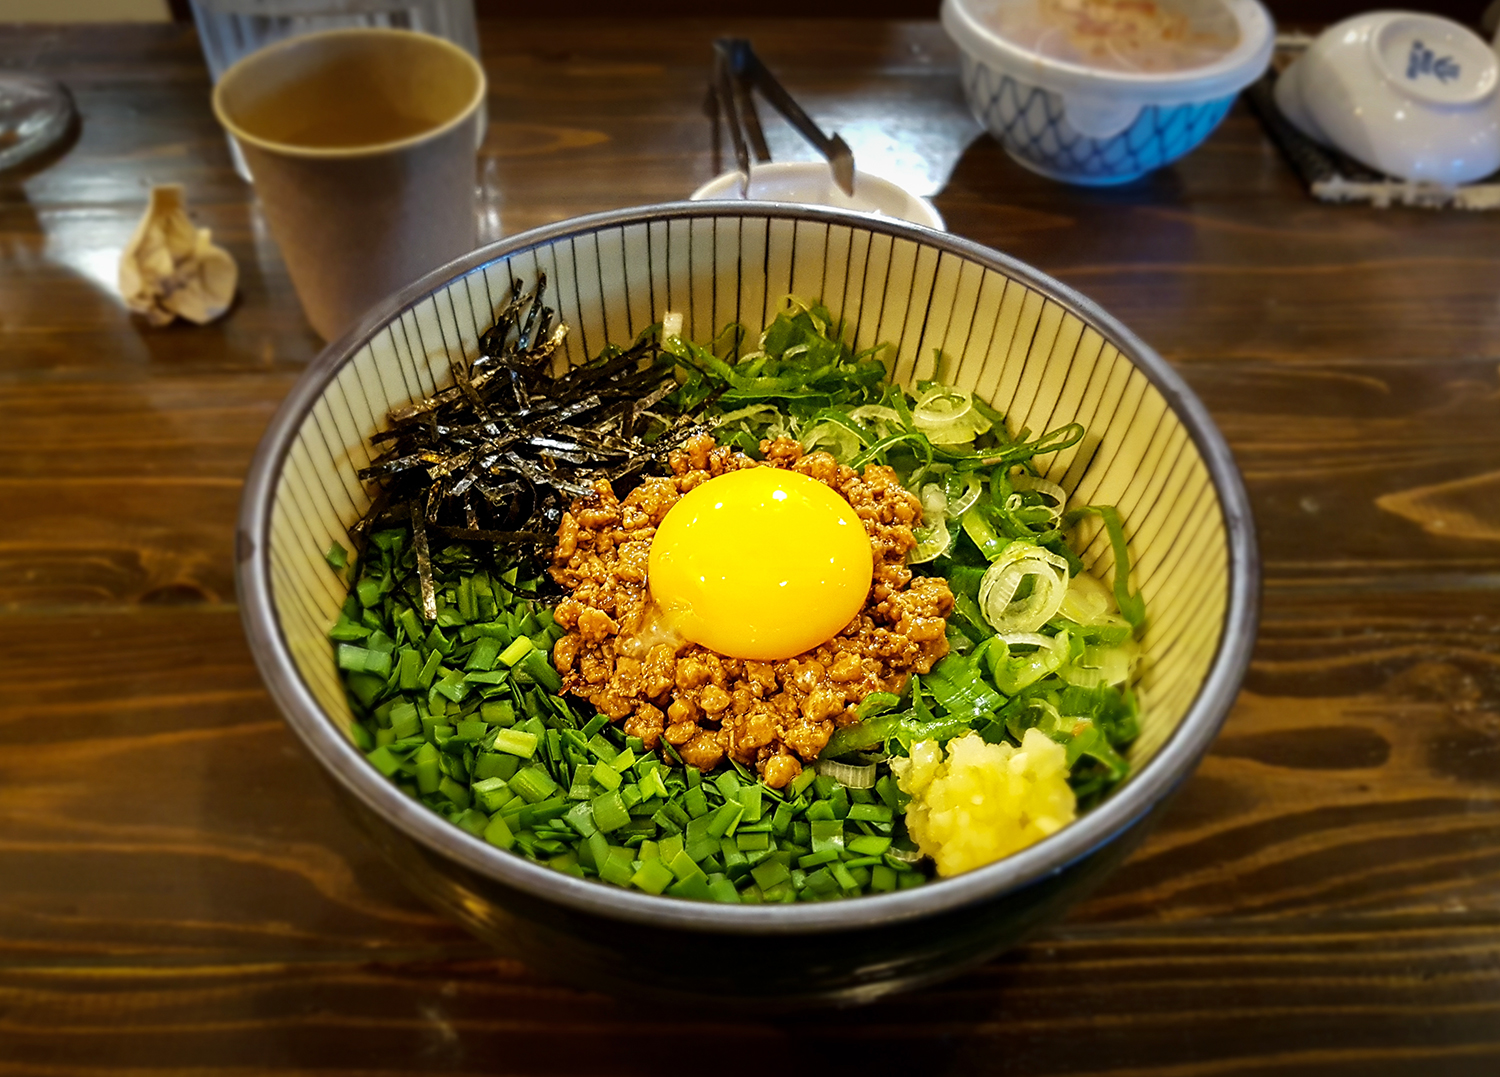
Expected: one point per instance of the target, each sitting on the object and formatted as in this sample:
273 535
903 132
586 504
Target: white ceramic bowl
1411 95
810 183
1094 126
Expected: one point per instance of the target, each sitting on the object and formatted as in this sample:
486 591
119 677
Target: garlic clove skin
171 269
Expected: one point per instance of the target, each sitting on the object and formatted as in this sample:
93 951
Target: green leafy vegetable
1132 608
984 502
464 718
454 693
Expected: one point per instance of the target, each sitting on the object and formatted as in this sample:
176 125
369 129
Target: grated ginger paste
984 801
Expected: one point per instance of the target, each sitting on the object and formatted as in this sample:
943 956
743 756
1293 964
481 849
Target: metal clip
737 71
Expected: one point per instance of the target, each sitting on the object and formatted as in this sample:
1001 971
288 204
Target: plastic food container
1103 91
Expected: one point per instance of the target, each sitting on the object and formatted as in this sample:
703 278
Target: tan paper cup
361 143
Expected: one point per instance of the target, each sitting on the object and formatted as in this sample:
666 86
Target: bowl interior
1036 351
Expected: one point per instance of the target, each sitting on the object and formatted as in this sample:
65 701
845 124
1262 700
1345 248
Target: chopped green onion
617 867
516 651
855 777
606 776
694 888
828 834
426 766
653 877
498 832
384 761
722 890
533 784
624 761
490 765
516 742
498 712
869 813
769 874
492 794
610 812
868 845
581 818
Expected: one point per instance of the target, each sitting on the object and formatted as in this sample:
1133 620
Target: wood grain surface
179 893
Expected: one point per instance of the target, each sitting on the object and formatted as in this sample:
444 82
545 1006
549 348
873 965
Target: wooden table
179 894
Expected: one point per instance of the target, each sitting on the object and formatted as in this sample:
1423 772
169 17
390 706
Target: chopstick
738 71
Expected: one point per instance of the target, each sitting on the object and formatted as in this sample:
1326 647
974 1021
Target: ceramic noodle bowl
1099 92
1036 350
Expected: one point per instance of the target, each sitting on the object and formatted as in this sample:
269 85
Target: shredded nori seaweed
497 457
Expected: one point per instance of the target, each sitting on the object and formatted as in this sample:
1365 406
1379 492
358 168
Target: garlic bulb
170 269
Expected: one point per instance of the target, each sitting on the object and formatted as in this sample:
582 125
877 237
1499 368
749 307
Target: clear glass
34 114
230 29
1116 35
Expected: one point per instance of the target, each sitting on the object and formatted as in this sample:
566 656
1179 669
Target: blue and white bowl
1094 125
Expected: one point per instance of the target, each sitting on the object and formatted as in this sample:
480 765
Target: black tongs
737 70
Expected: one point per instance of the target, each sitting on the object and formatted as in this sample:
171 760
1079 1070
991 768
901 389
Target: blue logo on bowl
1423 61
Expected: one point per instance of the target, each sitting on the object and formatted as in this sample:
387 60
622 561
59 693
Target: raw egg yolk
760 563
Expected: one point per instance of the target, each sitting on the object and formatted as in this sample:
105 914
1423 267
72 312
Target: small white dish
1411 95
810 183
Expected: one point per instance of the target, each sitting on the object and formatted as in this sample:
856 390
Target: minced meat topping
618 654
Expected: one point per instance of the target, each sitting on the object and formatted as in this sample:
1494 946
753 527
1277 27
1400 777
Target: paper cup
361 142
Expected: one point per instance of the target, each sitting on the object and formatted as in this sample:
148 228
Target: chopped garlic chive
518 649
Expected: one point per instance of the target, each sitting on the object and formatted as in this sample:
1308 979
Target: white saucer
810 183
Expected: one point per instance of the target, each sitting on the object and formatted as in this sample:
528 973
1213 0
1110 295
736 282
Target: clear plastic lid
1140 36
